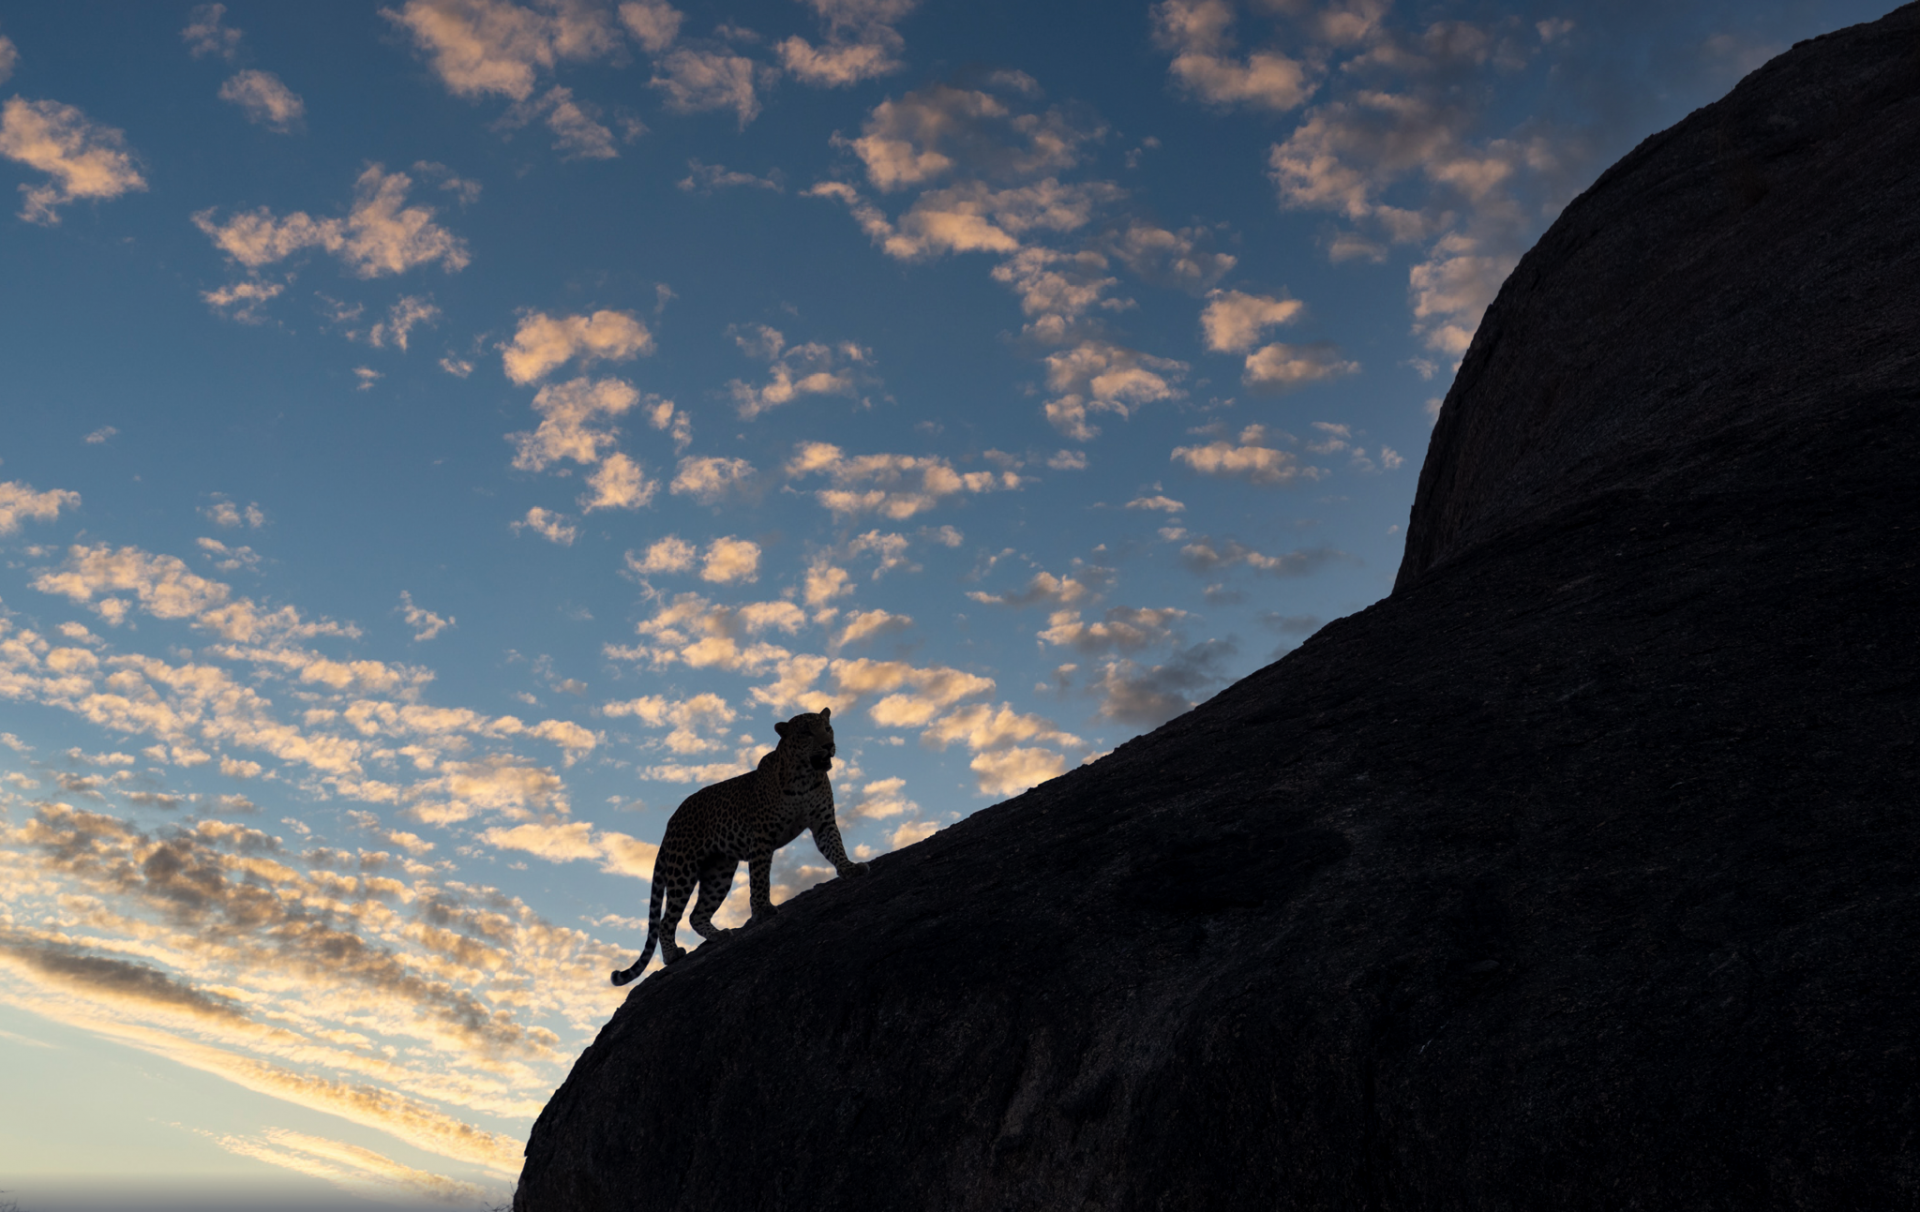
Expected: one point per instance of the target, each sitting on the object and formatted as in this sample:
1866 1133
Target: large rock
1579 873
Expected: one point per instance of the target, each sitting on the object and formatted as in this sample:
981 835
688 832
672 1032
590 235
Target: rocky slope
1581 872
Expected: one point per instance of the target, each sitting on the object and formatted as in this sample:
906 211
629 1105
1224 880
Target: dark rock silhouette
1578 873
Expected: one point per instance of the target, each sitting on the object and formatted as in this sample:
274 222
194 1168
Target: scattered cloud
99 436
618 483
1234 320
1083 584
861 43
223 512
866 624
706 178
796 370
81 158
554 527
244 301
1198 33
206 34
1280 367
265 100
710 478
730 561
895 486
381 235
671 554
653 23
1098 376
695 81
571 414
406 313
1163 503
491 47
543 343
1123 629
425 623
19 501
1206 555
1251 457
1147 696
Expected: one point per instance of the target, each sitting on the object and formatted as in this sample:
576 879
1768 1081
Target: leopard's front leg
760 884
826 836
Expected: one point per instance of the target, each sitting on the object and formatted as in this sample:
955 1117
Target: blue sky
439 437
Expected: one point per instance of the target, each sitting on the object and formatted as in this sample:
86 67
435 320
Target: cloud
653 23
225 513
1083 584
861 43
708 478
265 100
425 623
941 131
1171 258
730 561
206 35
1280 367
1068 460
1249 458
706 178
699 723
243 301
693 631
554 527
348 1166
616 853
1196 31
9 56
578 133
913 695
983 727
911 832
896 486
229 559
866 624
81 158
1098 376
1205 556
406 313
569 417
796 370
1124 629
882 799
1334 438
380 235
1007 772
618 483
698 80
543 343
19 501
1164 503
671 554
482 47
1146 697
1233 320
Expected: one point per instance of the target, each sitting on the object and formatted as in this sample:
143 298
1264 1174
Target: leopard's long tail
653 934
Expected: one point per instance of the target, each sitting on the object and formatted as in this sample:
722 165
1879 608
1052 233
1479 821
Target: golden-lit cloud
808 369
708 479
19 501
381 235
265 100
861 43
1234 320
1198 33
1098 376
572 422
1250 457
82 159
698 80
481 47
543 343
896 486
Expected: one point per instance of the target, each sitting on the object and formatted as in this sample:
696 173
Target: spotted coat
747 817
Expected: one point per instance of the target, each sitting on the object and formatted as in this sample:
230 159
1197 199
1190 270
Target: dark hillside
1582 872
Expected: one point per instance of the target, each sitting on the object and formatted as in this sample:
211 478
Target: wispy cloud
82 159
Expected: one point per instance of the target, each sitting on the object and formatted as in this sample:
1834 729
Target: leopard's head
810 737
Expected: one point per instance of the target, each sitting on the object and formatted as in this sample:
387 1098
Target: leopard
746 817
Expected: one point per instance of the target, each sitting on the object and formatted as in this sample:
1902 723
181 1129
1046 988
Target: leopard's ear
780 728
826 713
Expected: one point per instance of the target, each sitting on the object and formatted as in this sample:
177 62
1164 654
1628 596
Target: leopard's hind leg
716 880
679 887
